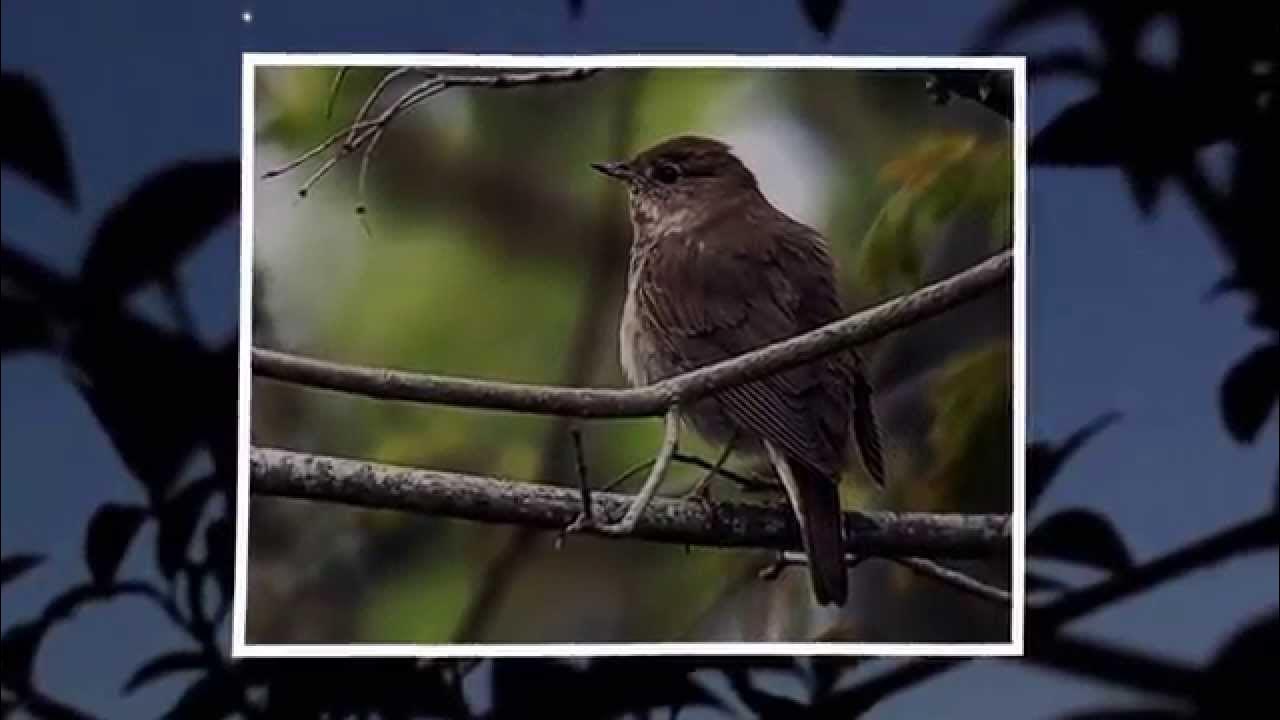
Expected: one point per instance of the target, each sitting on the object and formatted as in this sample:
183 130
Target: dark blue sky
1116 319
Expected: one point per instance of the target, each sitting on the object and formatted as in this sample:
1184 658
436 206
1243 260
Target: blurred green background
490 249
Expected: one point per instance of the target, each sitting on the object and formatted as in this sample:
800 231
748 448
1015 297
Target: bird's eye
666 173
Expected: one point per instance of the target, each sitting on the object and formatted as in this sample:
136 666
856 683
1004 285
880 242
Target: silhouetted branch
1255 534
1047 645
1115 665
297 475
654 399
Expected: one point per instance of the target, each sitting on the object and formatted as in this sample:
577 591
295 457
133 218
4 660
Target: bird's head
683 175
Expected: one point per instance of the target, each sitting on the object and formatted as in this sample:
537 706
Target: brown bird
716 271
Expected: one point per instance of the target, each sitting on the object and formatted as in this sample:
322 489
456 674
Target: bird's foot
700 494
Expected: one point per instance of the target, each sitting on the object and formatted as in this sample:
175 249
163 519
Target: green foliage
678 103
937 179
970 439
425 602
426 299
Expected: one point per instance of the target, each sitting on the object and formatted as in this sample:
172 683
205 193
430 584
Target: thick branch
297 475
654 399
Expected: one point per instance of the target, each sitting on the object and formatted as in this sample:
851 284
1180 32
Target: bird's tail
866 431
815 499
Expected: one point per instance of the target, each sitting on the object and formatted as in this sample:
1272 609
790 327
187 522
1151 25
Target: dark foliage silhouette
165 396
34 146
822 14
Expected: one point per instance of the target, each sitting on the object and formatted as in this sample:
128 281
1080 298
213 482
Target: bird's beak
618 170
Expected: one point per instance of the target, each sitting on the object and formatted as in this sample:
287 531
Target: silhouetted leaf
147 387
668 683
521 686
18 648
1084 134
1249 392
27 325
143 239
1243 668
1045 460
1020 14
111 531
1037 582
990 88
764 704
166 664
178 519
827 672
212 697
822 14
857 699
219 540
528 688
32 142
64 605
1082 537
14 565
1146 187
361 688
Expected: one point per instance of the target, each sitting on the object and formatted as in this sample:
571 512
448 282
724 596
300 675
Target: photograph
624 355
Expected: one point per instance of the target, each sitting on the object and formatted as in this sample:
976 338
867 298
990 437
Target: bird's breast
635 349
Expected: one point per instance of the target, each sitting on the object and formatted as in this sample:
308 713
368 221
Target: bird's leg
702 490
670 438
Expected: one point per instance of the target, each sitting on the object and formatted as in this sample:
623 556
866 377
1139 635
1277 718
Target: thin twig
631 472
956 579
924 566
325 145
657 474
285 473
747 484
334 88
702 485
859 328
378 89
362 130
584 486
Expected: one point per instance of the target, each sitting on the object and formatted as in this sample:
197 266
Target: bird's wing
744 283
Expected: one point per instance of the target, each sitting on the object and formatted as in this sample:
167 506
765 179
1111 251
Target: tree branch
920 565
957 580
284 473
653 399
1255 534
1112 664
365 133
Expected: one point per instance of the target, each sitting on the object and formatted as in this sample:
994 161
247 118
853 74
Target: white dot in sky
246 16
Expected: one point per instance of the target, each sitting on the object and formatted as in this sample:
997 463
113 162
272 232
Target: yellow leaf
922 164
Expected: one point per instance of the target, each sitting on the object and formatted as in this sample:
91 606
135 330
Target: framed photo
631 355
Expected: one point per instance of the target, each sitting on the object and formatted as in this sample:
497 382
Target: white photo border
1015 64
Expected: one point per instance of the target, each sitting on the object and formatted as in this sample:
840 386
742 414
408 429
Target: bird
716 271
